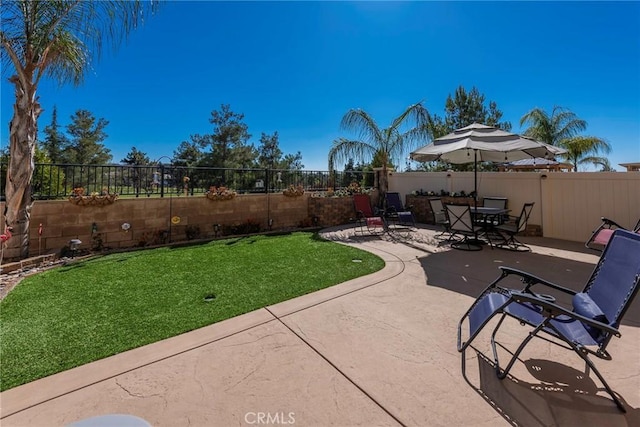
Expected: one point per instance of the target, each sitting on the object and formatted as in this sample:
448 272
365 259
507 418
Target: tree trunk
23 131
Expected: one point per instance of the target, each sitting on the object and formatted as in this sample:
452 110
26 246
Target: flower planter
220 193
293 191
79 199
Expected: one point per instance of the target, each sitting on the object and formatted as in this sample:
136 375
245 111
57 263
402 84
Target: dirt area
8 282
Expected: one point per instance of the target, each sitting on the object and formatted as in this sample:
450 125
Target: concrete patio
376 351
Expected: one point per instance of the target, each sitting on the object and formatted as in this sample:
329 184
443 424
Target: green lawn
92 309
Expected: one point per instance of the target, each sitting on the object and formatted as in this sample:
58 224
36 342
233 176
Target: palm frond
566 124
344 149
416 113
586 145
603 162
58 38
362 124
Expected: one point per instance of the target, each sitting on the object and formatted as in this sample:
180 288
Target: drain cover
209 297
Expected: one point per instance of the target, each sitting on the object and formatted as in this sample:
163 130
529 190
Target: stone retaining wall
150 222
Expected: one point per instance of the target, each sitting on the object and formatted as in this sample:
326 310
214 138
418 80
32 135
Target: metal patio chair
498 203
586 328
462 223
601 235
511 228
440 218
367 220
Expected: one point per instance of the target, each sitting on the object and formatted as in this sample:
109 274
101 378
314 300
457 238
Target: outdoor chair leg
512 244
590 364
502 373
466 245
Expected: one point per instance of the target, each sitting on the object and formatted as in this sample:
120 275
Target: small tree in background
461 110
85 145
466 108
139 176
54 141
386 145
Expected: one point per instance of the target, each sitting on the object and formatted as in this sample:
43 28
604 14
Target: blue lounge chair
396 212
586 328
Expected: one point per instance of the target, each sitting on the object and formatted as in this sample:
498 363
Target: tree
386 145
54 140
586 150
605 165
136 157
561 129
461 110
292 161
269 151
229 133
85 145
552 129
188 152
50 179
464 109
52 39
353 173
136 174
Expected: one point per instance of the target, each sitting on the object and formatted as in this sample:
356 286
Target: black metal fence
56 181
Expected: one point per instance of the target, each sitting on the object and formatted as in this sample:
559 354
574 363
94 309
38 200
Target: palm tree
585 150
561 129
50 39
385 145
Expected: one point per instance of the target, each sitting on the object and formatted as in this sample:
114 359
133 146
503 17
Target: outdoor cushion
585 306
603 236
375 222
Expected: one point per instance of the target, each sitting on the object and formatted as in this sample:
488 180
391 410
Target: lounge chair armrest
554 310
531 280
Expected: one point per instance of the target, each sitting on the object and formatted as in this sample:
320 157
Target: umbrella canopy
483 143
478 142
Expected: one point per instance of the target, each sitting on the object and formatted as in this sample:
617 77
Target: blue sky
297 67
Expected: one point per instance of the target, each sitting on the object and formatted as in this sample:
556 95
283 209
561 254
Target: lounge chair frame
563 327
601 235
368 221
396 213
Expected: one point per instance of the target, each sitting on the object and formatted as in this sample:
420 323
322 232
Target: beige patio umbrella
478 142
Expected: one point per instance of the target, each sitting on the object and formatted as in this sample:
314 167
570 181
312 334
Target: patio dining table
488 218
488 213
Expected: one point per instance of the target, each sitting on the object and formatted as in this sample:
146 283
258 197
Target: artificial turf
92 309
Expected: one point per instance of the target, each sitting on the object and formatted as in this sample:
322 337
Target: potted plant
78 197
220 193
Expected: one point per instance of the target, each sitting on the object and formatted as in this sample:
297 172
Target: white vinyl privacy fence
568 205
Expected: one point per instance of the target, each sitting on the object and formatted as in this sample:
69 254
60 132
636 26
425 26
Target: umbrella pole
475 178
